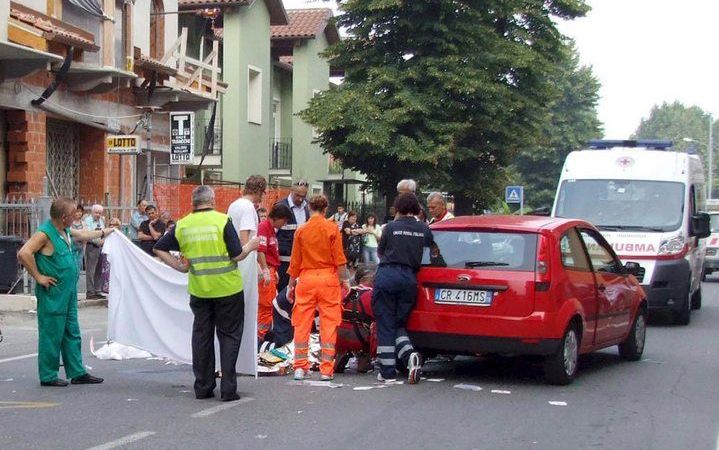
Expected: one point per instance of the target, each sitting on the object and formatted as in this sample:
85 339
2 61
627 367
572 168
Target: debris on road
554 403
7 379
468 387
316 383
498 391
116 351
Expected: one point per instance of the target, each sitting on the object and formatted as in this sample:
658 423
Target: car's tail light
542 272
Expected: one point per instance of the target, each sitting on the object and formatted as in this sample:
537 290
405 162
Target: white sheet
149 307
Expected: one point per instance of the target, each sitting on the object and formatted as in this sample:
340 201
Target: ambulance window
692 202
573 256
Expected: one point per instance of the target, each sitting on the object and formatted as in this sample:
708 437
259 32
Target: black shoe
54 383
231 398
87 379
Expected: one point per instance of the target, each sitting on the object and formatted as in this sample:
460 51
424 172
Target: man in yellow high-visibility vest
210 251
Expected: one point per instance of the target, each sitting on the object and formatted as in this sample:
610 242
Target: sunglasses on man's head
302 183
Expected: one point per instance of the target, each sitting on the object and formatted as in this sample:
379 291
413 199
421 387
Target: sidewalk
22 302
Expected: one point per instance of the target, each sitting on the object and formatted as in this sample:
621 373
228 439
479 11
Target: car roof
529 224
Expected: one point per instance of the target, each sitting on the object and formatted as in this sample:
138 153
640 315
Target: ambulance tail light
542 272
673 248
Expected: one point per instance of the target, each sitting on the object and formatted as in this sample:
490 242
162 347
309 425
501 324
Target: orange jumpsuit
316 253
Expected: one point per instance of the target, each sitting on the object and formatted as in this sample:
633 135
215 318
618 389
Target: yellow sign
123 144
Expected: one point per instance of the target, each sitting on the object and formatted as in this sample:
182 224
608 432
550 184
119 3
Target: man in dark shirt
151 230
395 288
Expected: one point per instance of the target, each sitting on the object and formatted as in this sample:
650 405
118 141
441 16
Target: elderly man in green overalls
49 259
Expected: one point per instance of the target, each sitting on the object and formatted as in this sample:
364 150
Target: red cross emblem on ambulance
625 162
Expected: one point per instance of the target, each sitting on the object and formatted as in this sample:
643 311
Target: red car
527 285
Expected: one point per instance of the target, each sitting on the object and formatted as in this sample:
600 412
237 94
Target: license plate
463 297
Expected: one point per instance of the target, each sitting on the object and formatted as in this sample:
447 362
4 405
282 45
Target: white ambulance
647 200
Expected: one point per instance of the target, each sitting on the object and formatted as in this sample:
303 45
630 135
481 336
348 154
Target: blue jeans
369 255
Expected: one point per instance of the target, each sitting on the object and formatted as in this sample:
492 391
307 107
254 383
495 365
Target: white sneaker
327 377
382 379
415 368
299 374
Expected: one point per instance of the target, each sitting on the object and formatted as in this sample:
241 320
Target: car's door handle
601 287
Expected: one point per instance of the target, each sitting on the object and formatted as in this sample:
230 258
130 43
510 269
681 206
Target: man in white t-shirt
243 211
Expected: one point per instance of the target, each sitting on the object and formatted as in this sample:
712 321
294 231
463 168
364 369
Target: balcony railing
281 154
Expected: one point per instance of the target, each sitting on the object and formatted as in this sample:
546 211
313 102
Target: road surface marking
468 387
558 403
26 405
123 440
222 407
17 358
497 391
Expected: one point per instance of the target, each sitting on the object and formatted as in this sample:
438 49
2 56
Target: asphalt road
666 401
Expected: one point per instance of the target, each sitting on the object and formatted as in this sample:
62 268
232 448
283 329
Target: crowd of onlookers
147 225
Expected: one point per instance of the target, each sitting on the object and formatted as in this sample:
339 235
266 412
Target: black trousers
226 315
283 278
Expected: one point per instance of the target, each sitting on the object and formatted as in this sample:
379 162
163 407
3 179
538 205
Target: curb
22 303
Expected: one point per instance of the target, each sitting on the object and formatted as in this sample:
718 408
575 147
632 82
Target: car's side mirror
700 226
632 268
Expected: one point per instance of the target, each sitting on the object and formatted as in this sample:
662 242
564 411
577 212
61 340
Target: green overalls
58 328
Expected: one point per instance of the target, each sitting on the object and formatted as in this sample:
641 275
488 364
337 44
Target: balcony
281 156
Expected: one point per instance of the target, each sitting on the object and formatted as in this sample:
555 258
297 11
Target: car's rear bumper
468 344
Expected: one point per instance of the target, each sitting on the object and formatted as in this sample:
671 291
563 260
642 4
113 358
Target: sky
644 52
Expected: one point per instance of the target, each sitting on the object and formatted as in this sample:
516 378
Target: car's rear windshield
489 250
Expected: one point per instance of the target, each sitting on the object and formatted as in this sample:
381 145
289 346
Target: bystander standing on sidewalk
138 216
352 239
93 250
79 246
372 234
151 230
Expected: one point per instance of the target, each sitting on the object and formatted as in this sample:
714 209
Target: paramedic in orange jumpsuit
318 270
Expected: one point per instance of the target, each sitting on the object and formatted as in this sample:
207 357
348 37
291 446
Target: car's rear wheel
697 299
632 348
561 368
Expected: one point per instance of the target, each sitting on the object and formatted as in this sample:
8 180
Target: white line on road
222 407
123 440
17 358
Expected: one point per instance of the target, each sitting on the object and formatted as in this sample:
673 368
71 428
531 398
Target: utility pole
710 155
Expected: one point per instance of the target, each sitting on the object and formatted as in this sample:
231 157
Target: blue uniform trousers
393 297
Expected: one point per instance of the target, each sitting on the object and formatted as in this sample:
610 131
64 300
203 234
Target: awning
17 61
83 77
342 181
172 99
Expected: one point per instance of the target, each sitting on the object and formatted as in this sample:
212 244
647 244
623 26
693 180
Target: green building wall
245 145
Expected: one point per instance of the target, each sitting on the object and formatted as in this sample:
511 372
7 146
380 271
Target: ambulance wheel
684 315
697 299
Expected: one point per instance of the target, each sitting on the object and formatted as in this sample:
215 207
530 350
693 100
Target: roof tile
304 24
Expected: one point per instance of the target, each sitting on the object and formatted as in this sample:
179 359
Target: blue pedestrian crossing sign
514 194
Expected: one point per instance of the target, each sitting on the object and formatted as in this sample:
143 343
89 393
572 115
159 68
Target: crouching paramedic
317 268
268 257
395 288
210 248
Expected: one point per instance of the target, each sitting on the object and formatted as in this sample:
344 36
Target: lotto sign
182 143
123 144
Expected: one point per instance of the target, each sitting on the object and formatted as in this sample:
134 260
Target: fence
19 216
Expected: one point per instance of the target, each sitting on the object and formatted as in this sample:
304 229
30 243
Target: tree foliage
573 121
444 91
686 126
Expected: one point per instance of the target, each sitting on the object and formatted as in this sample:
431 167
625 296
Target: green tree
572 123
686 126
444 91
